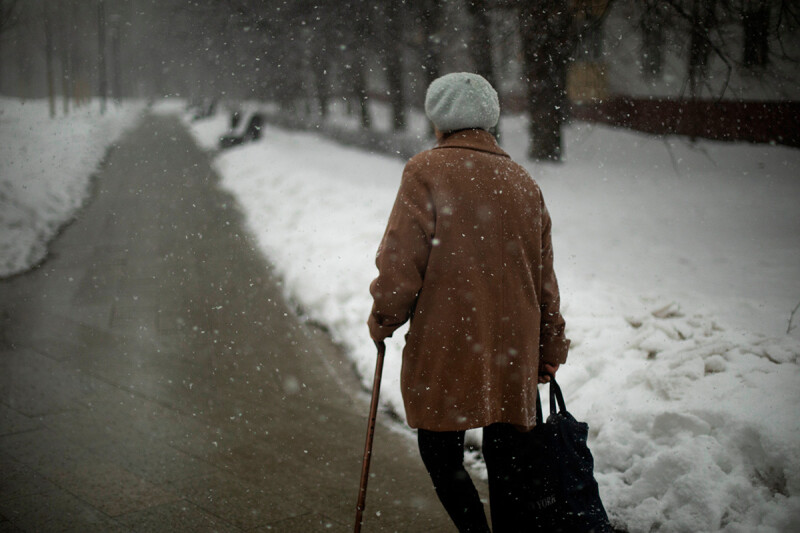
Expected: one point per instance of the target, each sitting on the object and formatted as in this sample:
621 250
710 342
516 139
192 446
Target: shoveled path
153 379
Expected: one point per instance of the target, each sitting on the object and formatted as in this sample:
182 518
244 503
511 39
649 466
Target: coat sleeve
402 256
553 345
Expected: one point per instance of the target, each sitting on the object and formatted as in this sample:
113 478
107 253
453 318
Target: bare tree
9 14
430 15
551 30
116 65
358 33
391 48
480 42
47 20
64 38
9 18
547 44
101 54
79 87
769 29
320 56
787 24
653 38
755 18
703 19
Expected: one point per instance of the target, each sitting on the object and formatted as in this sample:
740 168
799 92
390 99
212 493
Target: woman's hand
546 372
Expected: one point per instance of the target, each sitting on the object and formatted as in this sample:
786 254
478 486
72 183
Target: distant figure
467 257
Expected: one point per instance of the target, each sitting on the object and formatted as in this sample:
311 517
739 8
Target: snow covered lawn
679 266
45 170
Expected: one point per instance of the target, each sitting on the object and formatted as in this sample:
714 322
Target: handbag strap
539 414
555 395
556 398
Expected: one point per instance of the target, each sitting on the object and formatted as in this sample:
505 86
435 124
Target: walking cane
373 413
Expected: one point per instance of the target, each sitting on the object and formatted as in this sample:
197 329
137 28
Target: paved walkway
153 379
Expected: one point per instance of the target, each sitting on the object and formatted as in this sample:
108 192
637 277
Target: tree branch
790 327
9 9
706 40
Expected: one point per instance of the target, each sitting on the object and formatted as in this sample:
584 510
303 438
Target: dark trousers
443 455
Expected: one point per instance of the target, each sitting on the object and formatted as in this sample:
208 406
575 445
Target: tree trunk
322 90
755 23
3 23
481 45
362 30
321 80
116 78
700 43
430 15
360 89
8 19
101 57
699 50
75 58
547 43
64 35
394 74
320 60
24 71
652 40
48 59
393 58
480 42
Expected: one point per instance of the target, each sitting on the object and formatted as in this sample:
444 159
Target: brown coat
467 257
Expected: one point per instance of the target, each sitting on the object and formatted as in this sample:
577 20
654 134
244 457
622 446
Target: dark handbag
562 494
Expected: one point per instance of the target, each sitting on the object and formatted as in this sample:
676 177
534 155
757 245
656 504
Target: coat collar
471 139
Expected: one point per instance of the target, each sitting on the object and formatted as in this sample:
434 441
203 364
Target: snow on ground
679 269
45 170
679 266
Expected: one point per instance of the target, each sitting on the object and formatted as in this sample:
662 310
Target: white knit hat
462 100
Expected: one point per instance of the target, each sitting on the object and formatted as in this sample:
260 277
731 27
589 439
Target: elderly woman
467 258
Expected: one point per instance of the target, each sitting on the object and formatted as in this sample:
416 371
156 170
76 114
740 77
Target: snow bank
208 131
45 169
678 267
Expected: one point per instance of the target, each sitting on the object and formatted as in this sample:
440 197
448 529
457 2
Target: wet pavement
152 378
